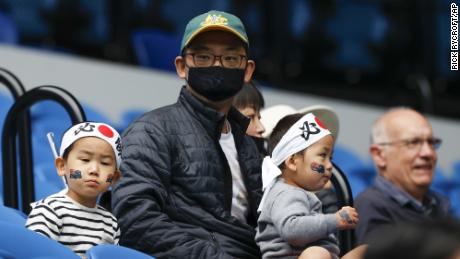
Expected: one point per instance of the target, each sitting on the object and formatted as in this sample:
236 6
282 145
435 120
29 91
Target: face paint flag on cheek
109 179
75 174
317 168
304 133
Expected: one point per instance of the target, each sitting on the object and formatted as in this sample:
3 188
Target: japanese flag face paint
109 179
315 167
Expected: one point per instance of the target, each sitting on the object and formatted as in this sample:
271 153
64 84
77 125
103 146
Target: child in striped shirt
89 158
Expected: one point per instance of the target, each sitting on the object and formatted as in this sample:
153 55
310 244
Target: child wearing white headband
89 159
291 223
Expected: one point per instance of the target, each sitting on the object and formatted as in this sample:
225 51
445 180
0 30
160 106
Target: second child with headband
291 223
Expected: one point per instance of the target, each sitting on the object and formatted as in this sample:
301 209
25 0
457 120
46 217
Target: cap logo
213 19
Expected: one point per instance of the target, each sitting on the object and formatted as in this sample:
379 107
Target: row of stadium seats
12 223
356 29
360 173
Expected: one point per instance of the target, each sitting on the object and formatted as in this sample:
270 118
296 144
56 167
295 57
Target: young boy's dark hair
281 128
249 101
249 96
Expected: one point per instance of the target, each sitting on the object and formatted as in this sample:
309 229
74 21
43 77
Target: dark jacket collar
403 198
212 120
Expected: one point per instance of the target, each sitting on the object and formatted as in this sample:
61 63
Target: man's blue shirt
384 204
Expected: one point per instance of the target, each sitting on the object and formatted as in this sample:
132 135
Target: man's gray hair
379 131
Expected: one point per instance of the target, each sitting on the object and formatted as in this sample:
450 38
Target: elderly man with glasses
191 176
404 151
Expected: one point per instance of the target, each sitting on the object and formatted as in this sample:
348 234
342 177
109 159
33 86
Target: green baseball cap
213 21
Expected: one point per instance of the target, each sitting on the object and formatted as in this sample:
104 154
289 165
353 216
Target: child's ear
290 163
60 164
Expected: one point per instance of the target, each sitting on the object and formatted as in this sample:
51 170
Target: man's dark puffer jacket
174 197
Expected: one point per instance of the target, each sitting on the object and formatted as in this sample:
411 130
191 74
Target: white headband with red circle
93 129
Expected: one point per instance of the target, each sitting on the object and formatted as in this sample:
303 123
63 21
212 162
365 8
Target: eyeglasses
415 143
227 60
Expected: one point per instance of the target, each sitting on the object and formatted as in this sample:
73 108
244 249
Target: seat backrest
6 101
24 243
355 27
12 216
128 117
113 251
156 49
344 198
346 159
8 30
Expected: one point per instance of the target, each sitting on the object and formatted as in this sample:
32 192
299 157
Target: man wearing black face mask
191 177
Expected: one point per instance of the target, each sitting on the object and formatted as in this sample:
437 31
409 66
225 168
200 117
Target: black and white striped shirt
72 224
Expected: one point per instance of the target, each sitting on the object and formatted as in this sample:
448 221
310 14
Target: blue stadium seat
454 198
441 183
359 174
113 251
300 17
346 159
454 194
356 26
175 13
8 30
98 31
26 14
129 116
156 49
449 186
456 171
92 114
6 101
46 180
49 116
19 242
12 216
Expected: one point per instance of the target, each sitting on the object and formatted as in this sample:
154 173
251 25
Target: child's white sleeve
116 238
44 220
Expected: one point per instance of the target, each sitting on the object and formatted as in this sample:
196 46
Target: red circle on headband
106 131
320 123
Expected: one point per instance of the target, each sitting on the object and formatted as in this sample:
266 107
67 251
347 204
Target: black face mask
216 83
261 145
